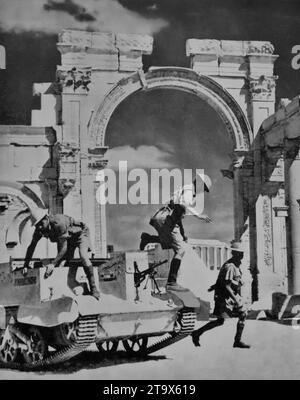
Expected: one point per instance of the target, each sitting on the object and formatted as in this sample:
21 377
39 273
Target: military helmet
237 246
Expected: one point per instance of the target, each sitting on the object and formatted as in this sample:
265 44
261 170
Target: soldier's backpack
159 218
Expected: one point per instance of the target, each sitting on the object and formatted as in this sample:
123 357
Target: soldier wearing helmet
69 234
168 224
228 301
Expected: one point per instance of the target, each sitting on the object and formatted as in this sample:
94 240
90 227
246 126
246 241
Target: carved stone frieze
133 42
75 78
267 232
97 163
67 152
262 88
257 47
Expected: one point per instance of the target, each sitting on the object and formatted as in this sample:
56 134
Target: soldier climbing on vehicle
69 234
171 235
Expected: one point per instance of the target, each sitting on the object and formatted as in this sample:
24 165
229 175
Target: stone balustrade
213 253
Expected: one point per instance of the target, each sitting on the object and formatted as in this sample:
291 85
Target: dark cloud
79 12
273 20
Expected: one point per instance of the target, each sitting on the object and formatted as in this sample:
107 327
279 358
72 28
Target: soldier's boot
172 278
238 336
210 325
91 279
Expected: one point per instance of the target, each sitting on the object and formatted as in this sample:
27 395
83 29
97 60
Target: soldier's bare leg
210 325
71 279
88 269
239 331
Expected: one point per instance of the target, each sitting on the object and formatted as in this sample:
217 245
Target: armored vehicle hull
48 321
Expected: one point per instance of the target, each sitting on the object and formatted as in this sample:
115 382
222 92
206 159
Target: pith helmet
237 246
180 207
38 214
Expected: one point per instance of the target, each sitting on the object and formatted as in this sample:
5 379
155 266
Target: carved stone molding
67 152
262 88
103 42
203 46
132 42
267 226
257 47
65 185
281 211
223 47
75 78
97 163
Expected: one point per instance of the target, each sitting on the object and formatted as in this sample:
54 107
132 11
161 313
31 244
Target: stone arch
23 192
15 214
183 79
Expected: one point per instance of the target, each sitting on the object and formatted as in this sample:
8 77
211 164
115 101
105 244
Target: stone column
216 257
95 213
261 82
292 170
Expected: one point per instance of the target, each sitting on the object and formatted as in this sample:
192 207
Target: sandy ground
275 354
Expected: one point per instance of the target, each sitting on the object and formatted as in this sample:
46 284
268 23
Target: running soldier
228 301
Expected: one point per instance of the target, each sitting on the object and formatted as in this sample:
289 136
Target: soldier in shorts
69 234
228 302
171 236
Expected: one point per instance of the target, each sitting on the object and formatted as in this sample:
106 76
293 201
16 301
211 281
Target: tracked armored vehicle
47 321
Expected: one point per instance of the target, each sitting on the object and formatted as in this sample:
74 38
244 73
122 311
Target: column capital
74 80
97 163
262 88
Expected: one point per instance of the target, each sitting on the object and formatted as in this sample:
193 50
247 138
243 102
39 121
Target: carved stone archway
207 89
183 79
16 203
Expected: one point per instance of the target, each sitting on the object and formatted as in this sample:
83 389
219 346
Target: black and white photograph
149 192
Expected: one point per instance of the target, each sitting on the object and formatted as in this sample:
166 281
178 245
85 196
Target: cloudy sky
160 128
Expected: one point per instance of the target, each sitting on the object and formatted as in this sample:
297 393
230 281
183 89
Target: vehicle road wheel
108 347
8 348
38 348
136 346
